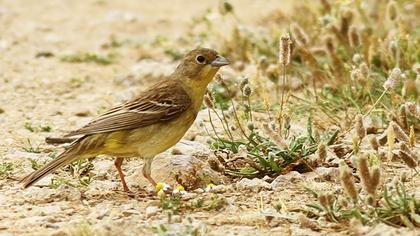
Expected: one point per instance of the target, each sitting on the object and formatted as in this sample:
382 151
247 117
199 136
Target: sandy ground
39 91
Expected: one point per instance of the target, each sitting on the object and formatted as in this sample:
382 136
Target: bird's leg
147 170
118 163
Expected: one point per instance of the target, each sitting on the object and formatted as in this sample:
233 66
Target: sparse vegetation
321 96
5 169
89 57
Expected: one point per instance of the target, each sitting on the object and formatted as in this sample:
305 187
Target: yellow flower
180 187
161 193
159 186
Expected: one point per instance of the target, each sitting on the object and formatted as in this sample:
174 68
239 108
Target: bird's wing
163 102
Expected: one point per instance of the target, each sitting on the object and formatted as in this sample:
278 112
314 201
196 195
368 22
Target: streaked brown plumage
148 124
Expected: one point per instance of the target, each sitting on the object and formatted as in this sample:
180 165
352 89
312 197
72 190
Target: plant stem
376 103
282 99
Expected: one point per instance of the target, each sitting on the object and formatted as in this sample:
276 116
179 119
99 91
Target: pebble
152 211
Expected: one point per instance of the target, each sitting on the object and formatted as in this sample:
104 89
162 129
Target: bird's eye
200 59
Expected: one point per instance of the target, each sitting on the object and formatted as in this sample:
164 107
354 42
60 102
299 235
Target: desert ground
62 63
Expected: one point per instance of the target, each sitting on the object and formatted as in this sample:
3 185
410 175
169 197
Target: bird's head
199 66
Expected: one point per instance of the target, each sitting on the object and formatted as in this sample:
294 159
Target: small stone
321 174
285 180
188 196
220 188
82 113
152 211
253 184
176 151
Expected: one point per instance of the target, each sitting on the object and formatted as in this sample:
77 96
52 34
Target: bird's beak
220 61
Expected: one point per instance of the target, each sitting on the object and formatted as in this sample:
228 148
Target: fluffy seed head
363 169
375 177
247 90
374 143
399 133
354 36
299 34
346 179
208 101
391 11
244 82
322 152
360 128
364 70
357 58
284 49
346 17
408 158
412 136
413 109
393 79
390 135
329 44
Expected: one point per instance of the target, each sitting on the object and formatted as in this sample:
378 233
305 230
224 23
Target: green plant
89 57
5 169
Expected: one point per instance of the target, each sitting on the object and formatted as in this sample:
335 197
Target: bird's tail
66 157
56 141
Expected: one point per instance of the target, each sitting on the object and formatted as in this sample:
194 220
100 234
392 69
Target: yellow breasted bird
146 125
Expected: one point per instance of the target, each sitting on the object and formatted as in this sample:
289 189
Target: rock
152 211
284 180
253 184
219 188
321 174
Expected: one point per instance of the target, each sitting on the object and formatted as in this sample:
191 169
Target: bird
146 125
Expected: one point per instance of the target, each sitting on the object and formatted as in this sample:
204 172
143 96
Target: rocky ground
44 94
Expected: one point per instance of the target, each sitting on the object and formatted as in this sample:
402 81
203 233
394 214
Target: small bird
147 125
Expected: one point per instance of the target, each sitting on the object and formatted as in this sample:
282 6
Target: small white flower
209 187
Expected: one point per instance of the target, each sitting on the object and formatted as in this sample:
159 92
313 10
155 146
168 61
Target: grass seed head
413 109
412 136
390 135
299 34
393 79
375 177
346 179
247 90
354 36
364 174
399 132
285 49
408 159
244 82
209 101
374 143
364 69
322 152
392 11
329 44
346 17
357 58
360 128
402 117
